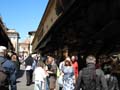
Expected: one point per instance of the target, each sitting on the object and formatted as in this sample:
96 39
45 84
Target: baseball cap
2 48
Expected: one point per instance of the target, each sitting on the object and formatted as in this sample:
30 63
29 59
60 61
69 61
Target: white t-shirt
61 65
39 74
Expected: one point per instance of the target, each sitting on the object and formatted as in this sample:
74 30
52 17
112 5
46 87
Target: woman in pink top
75 66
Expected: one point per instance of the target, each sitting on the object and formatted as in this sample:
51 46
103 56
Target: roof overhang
85 30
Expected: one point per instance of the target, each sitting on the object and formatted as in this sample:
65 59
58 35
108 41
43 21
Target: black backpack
3 74
88 79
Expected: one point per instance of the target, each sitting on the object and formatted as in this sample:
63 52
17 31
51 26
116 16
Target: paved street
21 81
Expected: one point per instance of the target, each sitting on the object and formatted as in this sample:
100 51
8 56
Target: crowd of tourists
47 72
98 73
72 72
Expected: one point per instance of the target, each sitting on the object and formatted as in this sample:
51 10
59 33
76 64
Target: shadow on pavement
20 73
18 81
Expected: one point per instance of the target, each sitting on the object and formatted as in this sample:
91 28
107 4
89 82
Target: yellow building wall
48 20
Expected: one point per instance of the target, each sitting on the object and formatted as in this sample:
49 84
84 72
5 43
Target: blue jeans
38 85
46 83
13 82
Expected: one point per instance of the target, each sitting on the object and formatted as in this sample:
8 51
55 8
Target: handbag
60 80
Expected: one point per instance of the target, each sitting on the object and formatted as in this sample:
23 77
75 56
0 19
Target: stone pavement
21 81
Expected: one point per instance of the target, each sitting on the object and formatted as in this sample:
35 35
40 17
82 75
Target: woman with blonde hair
40 76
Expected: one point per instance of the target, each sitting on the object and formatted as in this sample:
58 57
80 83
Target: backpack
3 75
112 82
88 79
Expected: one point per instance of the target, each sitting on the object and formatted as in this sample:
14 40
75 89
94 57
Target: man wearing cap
10 68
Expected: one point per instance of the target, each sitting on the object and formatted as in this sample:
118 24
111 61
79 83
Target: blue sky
22 15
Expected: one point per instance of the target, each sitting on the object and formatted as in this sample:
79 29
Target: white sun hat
73 57
2 48
67 59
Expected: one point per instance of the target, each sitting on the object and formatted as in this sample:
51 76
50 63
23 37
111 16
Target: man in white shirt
29 71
